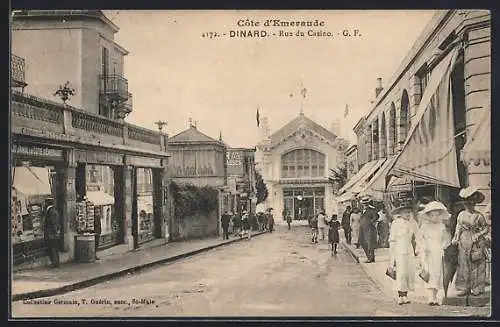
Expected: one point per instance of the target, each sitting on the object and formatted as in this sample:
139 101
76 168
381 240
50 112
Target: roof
294 125
192 135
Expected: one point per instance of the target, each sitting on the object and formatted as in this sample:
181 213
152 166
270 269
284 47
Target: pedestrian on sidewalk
245 221
226 217
346 224
270 219
289 220
236 224
470 236
52 232
322 223
333 233
432 239
313 222
367 229
401 251
355 221
383 229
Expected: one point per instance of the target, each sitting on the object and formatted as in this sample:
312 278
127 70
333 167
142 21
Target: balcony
34 116
125 108
18 77
114 87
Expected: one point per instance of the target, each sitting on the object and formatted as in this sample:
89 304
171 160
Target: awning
31 180
364 181
478 147
376 185
359 175
358 185
100 198
429 152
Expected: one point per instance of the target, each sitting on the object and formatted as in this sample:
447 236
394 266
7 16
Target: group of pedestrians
428 233
319 223
243 224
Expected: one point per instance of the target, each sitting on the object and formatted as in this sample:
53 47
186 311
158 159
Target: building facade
242 194
455 44
352 161
295 162
68 152
199 160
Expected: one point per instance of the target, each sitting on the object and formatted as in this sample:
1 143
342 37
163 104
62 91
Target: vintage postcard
250 163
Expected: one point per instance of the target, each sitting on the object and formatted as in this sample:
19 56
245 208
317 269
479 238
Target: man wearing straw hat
367 230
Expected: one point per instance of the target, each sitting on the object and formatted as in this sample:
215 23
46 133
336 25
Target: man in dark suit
346 224
368 230
52 230
226 217
97 229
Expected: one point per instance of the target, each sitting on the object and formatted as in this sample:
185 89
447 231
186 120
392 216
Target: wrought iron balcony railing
125 108
114 87
18 75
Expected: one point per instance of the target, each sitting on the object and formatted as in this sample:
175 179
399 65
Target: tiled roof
192 134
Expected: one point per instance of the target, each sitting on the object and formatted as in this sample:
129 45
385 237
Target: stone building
242 194
430 124
200 160
295 162
83 149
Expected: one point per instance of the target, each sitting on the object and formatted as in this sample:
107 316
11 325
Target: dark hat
401 204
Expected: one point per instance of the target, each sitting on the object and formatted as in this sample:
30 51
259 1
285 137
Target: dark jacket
346 220
225 220
367 228
52 224
97 220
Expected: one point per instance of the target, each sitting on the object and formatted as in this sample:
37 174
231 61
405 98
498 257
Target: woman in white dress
355 223
433 238
401 249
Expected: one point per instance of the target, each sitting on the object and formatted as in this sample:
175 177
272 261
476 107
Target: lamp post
160 124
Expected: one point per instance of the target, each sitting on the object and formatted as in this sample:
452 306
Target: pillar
127 207
477 75
165 209
368 135
68 204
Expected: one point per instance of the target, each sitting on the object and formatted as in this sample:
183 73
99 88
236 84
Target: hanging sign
98 157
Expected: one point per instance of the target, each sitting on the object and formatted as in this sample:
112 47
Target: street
278 274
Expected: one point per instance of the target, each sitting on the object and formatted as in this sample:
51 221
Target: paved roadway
279 274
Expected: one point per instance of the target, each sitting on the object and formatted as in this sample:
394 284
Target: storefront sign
143 161
233 158
98 157
37 151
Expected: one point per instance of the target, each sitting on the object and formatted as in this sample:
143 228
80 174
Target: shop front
98 185
35 177
303 202
147 199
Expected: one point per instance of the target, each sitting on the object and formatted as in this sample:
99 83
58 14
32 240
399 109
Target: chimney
379 87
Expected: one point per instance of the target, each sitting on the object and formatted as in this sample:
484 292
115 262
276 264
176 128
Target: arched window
302 163
404 118
375 140
392 129
383 137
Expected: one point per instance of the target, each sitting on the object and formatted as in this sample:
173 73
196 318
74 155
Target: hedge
190 199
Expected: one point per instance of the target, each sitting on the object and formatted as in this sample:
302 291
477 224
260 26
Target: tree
338 176
261 188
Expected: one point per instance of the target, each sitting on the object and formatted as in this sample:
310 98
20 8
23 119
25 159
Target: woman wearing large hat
433 240
401 250
470 237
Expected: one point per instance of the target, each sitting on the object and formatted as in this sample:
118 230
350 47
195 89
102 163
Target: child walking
333 233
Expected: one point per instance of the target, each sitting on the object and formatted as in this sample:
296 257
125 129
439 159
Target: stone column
68 204
165 212
368 140
127 207
477 75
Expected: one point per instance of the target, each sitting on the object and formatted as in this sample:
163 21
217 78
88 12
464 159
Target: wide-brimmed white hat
434 205
472 194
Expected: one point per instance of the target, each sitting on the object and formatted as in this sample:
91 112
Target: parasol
450 263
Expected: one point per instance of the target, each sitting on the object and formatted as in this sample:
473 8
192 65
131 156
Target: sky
175 73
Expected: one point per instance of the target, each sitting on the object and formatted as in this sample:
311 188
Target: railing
67 119
143 135
18 71
114 86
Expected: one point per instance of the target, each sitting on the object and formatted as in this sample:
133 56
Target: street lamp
160 124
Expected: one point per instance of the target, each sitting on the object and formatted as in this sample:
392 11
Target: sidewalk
113 263
376 271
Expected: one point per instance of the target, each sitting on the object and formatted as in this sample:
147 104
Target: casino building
295 162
